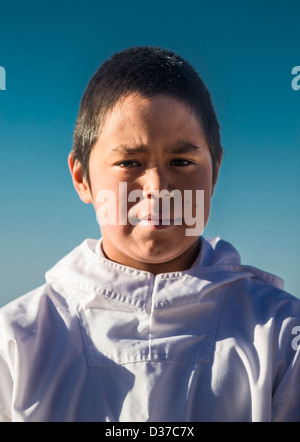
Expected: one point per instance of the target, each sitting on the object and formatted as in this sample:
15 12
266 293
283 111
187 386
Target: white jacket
101 341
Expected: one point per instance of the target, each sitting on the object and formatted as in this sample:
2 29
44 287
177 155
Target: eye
180 162
128 164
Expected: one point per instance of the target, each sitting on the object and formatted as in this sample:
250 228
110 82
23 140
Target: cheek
115 233
201 191
112 211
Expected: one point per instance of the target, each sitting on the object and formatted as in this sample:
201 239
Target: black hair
148 71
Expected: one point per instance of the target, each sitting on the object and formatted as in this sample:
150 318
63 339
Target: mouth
157 222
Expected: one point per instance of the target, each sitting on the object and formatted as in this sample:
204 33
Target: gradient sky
244 51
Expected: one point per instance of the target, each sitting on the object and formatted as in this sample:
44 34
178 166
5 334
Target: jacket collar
85 272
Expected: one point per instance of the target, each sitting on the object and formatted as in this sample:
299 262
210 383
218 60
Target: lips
147 213
155 220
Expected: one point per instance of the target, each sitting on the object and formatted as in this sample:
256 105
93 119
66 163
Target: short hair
148 71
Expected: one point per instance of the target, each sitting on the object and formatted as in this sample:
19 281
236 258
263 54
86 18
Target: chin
160 253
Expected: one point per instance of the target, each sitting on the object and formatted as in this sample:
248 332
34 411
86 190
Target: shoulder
245 284
52 301
257 301
33 314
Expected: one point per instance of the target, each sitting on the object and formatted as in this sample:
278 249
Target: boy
152 322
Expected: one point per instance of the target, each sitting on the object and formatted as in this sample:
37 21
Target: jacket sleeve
286 394
286 403
6 379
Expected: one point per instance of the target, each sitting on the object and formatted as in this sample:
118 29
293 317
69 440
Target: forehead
159 115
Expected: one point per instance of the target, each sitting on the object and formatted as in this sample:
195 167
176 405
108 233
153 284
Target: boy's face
148 145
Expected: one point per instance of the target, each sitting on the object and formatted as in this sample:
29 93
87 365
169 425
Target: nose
155 180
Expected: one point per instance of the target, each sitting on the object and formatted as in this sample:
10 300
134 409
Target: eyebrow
123 148
182 147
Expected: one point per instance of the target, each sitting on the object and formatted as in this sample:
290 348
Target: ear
79 181
216 177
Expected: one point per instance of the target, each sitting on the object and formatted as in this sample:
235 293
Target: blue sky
244 51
